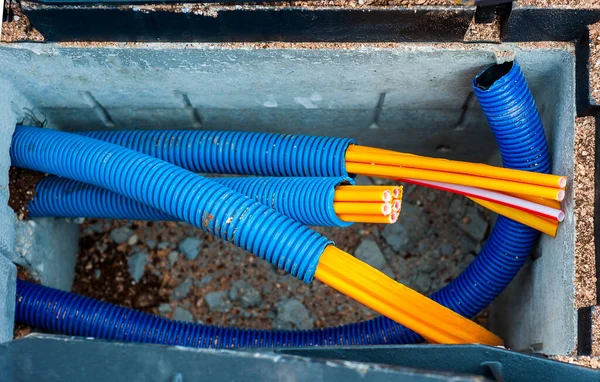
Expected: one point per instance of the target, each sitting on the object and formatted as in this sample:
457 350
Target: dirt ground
179 281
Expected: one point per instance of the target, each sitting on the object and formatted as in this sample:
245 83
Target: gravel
137 264
183 315
369 252
224 285
181 291
245 293
190 247
473 224
291 314
121 234
218 301
412 224
173 257
164 308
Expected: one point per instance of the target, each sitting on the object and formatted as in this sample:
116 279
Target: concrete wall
413 98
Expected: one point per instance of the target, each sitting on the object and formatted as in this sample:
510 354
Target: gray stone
164 308
446 249
182 315
164 245
291 314
468 259
467 245
369 252
362 180
133 240
150 243
422 283
411 226
94 228
457 208
121 235
190 247
173 257
427 264
206 279
388 272
137 264
245 293
182 290
218 301
97 274
475 226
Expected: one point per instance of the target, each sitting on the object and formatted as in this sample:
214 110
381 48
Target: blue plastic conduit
513 117
180 193
306 200
236 152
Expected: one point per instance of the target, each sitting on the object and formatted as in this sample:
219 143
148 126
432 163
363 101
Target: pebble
291 314
183 315
137 264
121 235
388 272
412 225
457 208
164 308
190 247
245 293
369 252
474 224
446 249
182 290
218 301
164 245
150 243
422 283
173 257
204 280
133 240
362 180
94 228
97 274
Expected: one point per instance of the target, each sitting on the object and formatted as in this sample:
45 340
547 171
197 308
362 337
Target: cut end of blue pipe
489 76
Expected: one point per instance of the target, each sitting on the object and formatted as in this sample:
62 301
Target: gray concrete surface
9 115
47 247
422 92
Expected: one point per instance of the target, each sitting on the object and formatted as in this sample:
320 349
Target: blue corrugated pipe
180 193
237 152
307 200
511 112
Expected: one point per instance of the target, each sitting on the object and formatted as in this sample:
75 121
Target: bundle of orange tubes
530 198
368 204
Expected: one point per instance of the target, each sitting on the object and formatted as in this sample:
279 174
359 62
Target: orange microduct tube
543 225
362 196
367 285
376 219
362 154
466 180
362 208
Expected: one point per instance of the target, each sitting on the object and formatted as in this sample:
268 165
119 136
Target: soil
102 268
21 187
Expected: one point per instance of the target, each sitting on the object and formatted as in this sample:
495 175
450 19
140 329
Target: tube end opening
386 209
560 195
387 196
561 216
562 183
488 77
